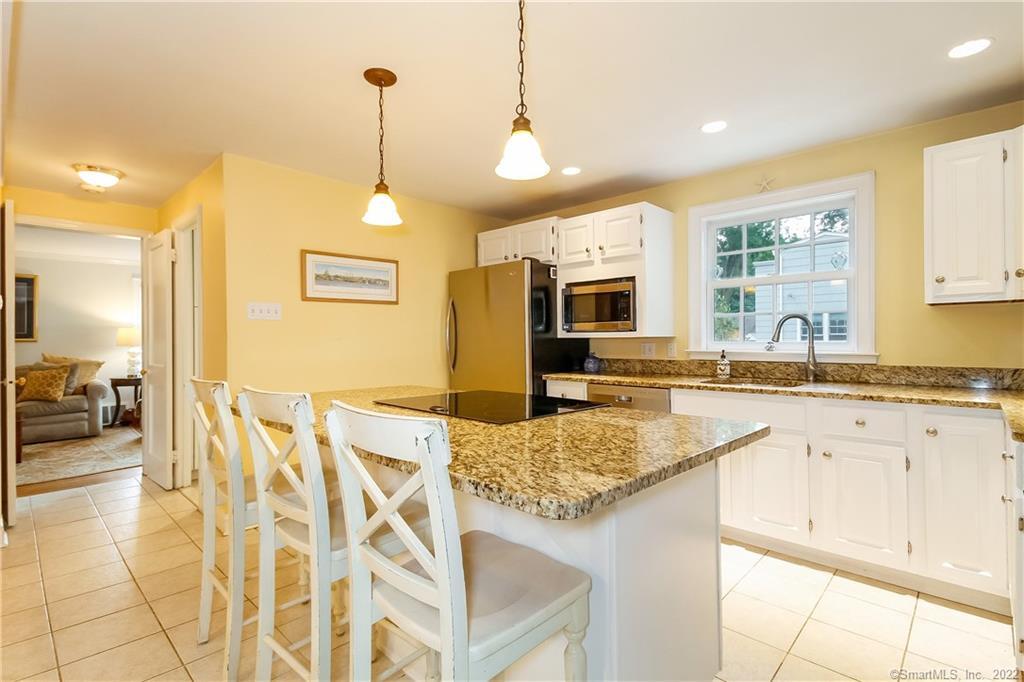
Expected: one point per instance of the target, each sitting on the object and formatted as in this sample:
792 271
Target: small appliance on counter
502 329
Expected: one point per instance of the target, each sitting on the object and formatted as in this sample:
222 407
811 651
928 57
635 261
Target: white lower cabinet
1015 528
965 512
861 511
769 487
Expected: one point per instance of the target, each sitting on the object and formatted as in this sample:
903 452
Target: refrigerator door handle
451 341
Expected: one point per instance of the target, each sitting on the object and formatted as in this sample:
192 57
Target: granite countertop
1010 402
564 466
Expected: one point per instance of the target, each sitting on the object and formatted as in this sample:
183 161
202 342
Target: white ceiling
70 245
619 89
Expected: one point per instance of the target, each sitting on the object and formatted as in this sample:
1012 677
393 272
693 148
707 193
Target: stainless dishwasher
631 397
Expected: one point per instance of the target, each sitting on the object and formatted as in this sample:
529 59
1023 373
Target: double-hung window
806 250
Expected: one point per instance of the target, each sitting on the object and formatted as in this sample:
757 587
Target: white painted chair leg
267 603
575 631
320 620
209 559
236 600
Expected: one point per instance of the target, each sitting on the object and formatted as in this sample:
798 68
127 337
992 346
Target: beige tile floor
102 583
786 619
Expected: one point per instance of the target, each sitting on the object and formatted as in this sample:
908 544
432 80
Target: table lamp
131 338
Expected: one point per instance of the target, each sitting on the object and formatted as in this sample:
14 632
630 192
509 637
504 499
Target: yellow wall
272 213
207 190
82 209
908 331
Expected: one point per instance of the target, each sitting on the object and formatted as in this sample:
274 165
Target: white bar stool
307 520
479 602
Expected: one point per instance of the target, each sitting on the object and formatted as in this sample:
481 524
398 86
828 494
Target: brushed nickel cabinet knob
860 423
939 279
506 257
1019 272
827 454
932 431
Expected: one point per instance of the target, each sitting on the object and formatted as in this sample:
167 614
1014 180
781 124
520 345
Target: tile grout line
910 631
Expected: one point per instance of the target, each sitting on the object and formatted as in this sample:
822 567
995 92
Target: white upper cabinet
619 231
972 221
964 501
576 240
535 240
494 246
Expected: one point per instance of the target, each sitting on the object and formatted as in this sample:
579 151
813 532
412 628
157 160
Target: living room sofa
73 416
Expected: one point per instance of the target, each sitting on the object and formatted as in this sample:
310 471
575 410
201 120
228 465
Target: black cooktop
493 407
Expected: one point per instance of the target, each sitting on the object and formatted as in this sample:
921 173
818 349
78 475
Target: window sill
785 356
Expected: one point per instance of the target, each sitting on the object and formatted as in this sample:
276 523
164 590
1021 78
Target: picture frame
26 308
345 278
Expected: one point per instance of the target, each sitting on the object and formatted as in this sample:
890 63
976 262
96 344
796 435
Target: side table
116 383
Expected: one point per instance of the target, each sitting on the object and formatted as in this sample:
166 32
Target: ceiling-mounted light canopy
96 178
381 210
522 159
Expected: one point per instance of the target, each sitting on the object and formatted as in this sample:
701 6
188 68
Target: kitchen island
630 497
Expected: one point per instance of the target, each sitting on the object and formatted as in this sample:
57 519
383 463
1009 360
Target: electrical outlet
672 350
264 311
647 350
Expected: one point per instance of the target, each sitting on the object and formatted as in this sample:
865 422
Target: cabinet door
535 240
619 232
965 516
576 240
493 246
772 497
862 508
1015 475
965 257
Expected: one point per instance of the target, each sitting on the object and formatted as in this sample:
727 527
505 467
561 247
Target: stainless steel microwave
607 305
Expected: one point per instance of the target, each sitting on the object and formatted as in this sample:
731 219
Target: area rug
115 448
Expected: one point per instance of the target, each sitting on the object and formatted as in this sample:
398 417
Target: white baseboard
911 581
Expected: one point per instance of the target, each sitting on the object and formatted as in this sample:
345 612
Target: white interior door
7 411
157 359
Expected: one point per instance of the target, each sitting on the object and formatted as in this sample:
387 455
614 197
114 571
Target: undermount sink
754 381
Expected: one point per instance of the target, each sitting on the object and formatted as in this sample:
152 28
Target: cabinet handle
600 247
860 423
939 279
932 431
515 255
506 257
1019 273
588 249
827 454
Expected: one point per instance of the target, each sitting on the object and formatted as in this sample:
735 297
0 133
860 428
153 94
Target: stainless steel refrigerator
501 333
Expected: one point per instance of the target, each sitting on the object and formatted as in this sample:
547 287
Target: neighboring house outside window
803 250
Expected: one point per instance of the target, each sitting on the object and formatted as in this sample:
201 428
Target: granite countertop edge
1010 402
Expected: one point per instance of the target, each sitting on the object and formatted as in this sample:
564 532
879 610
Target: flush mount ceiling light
571 170
381 210
969 48
714 127
96 178
522 159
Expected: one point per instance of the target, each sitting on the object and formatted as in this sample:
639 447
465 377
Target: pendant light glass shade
381 210
522 159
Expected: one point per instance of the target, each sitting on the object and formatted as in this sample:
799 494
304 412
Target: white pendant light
522 159
381 210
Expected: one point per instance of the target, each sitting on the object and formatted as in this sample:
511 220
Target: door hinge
174 456
174 255
642 215
810 525
1020 524
1021 647
808 449
1006 275
910 547
908 463
1005 155
641 242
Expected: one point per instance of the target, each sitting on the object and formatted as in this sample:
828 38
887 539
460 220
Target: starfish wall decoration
764 184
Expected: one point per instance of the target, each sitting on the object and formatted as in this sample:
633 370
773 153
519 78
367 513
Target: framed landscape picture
26 298
352 279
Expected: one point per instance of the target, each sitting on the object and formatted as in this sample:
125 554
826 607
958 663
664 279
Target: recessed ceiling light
571 170
714 127
97 178
970 48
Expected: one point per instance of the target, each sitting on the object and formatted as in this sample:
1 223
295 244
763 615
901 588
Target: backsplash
908 375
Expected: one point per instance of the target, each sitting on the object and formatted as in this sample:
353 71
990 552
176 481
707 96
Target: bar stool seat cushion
510 590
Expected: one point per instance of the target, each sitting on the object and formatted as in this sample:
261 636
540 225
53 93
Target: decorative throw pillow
45 384
87 369
73 372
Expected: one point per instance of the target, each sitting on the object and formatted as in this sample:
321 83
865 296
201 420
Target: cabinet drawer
567 389
857 419
779 413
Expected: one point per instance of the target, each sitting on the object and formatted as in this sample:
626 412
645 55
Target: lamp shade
129 336
522 159
381 210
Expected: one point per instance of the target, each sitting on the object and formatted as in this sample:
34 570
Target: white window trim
861 188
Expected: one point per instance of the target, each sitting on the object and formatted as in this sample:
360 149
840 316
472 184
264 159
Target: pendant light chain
521 109
380 175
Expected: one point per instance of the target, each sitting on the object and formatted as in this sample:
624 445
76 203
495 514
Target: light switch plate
672 350
647 350
264 311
